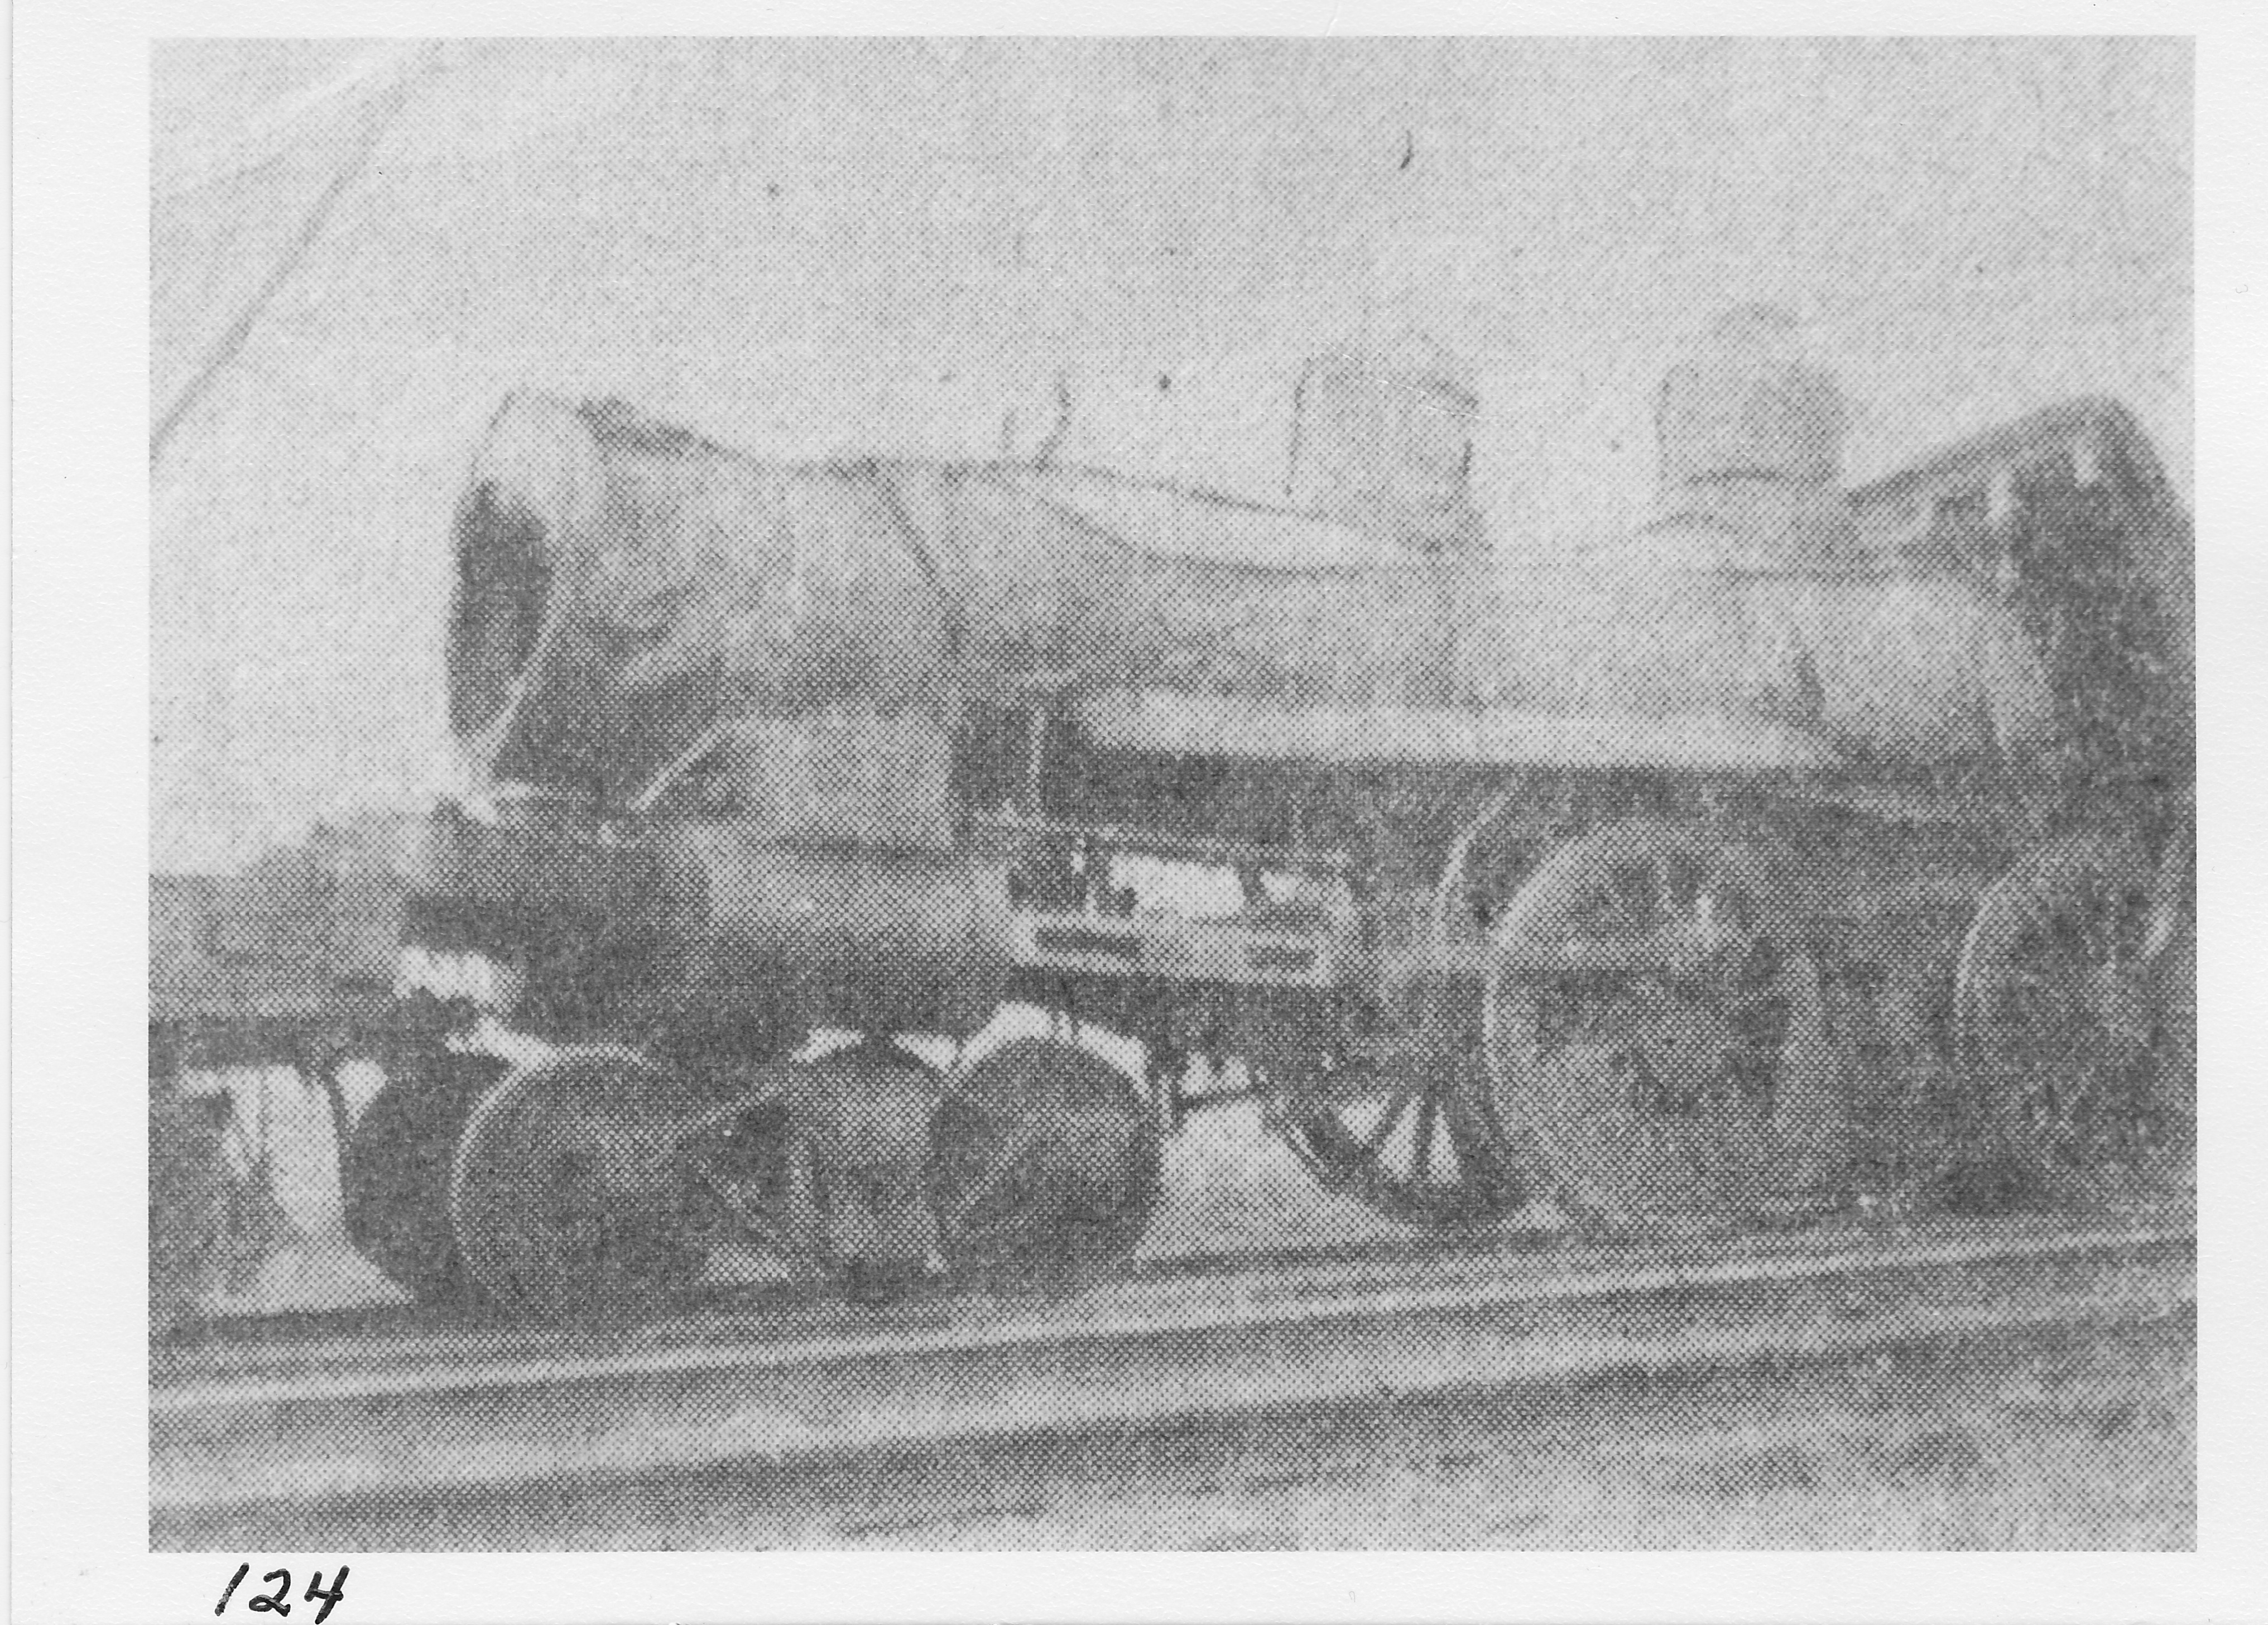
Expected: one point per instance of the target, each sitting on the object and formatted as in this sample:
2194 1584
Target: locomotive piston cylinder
720 923
814 936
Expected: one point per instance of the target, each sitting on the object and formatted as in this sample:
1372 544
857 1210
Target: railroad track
300 1442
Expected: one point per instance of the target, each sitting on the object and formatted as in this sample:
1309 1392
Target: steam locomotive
1802 842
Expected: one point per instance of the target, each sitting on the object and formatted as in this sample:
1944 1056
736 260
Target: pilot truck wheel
1044 1160
571 1194
394 1171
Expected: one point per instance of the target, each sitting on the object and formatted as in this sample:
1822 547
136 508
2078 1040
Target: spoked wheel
1658 1030
1385 1112
1395 1130
571 1193
2075 1017
1044 1159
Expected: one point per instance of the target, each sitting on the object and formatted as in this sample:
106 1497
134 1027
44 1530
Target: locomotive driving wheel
570 1192
1658 1031
2075 1014
1044 1160
1382 1111
1394 1129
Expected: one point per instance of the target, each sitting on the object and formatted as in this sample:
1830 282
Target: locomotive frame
1683 972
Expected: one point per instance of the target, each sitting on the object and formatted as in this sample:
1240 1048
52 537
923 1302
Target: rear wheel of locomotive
1713 1094
1044 1161
571 1193
393 1172
2075 1020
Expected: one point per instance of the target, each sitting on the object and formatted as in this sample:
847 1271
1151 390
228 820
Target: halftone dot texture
1594 991
2009 1386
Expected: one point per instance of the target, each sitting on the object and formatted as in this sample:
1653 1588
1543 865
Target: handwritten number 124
273 1602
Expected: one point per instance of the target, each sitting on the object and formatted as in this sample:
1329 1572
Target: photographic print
1170 794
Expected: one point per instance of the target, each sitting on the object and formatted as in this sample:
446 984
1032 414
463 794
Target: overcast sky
804 246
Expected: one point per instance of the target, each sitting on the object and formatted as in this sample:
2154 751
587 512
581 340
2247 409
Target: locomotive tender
1669 879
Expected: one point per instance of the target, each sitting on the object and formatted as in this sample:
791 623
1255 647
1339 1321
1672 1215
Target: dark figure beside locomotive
1669 880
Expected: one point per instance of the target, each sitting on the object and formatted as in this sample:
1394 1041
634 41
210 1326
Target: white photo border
80 715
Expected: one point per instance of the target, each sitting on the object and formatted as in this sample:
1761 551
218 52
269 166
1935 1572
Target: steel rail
297 1447
1035 1330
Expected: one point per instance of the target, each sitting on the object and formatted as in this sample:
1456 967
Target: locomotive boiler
1802 841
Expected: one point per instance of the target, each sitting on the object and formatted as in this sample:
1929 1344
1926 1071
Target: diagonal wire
311 230
275 136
